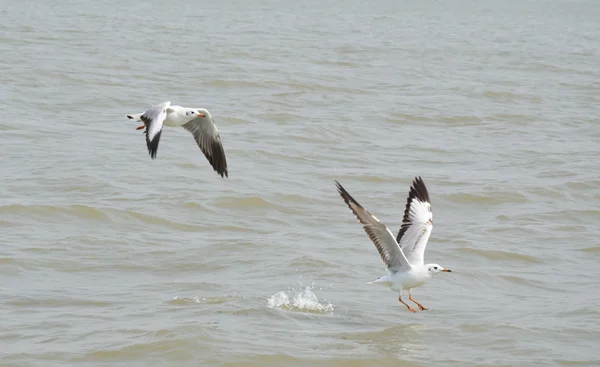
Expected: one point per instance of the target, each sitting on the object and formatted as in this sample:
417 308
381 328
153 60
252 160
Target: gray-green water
110 258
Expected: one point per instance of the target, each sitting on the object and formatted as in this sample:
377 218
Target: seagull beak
141 127
447 271
200 114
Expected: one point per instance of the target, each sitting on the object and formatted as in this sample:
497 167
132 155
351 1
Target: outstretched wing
417 223
381 236
207 137
153 118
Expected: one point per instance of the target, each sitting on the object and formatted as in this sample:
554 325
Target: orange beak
447 271
140 127
201 114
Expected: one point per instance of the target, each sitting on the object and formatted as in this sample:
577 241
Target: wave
500 255
108 215
498 197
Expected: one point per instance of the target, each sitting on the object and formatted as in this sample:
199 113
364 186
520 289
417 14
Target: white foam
304 300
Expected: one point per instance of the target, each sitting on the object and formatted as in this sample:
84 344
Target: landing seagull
197 121
404 255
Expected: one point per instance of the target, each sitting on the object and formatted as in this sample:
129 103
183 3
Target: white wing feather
154 118
417 223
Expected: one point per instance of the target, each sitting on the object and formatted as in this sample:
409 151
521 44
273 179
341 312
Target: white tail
384 280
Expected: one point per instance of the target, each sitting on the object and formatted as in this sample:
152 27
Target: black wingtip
153 144
339 187
419 190
130 117
217 159
345 195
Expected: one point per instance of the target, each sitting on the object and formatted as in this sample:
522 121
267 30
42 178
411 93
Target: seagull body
198 121
404 255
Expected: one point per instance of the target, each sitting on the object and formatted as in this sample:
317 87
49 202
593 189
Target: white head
193 113
435 268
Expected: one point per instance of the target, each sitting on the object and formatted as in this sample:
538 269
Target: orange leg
423 308
409 308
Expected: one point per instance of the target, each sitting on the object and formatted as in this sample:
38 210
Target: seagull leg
405 304
423 308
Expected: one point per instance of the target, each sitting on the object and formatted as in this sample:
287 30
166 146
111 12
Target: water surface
110 258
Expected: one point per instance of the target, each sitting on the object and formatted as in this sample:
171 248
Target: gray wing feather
207 137
380 235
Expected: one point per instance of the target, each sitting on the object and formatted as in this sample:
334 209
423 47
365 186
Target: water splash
304 300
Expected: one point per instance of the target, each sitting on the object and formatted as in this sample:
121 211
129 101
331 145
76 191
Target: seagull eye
435 267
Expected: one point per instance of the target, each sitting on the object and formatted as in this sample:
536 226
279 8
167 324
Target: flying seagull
197 121
404 255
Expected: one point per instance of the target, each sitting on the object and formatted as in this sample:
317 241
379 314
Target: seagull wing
384 241
153 118
207 137
417 223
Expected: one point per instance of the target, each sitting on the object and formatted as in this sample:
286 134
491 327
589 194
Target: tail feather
384 280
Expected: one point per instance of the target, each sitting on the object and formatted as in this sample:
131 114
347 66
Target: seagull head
194 113
435 268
